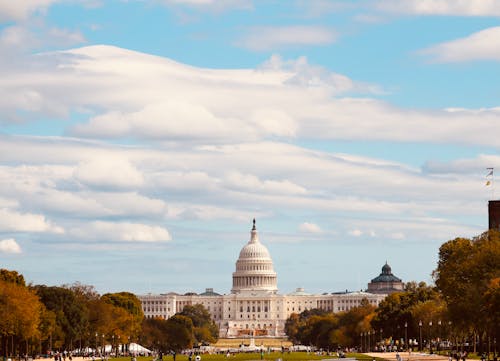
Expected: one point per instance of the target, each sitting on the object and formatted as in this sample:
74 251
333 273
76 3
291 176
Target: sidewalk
406 356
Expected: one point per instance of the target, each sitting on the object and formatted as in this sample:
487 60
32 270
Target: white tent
135 347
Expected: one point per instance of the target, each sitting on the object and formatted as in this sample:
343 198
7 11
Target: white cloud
267 38
308 75
17 37
476 166
177 103
213 5
441 7
12 221
308 227
120 232
167 120
22 9
252 184
355 233
483 45
110 173
235 182
9 246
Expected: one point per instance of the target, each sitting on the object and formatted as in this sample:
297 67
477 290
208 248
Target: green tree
205 329
179 332
71 313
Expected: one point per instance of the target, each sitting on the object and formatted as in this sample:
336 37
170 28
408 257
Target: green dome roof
386 275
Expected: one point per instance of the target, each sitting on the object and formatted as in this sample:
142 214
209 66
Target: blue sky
138 139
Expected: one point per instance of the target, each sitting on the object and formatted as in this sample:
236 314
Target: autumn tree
466 274
154 334
132 305
20 311
353 322
12 277
407 308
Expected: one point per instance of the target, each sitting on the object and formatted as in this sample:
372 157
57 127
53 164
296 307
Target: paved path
406 356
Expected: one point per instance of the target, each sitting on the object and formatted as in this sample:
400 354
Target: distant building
494 215
386 283
254 306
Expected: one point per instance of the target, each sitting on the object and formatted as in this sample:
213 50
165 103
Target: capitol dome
254 267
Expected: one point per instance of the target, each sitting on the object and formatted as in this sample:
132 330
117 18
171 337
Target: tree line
37 319
463 307
463 304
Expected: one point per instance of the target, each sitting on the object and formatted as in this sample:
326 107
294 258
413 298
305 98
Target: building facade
385 283
254 306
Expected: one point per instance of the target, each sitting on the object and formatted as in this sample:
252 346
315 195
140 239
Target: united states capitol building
254 306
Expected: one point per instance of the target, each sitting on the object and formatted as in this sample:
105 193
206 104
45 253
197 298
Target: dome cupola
254 267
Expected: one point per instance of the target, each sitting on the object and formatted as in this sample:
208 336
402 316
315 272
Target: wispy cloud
121 232
308 227
273 38
210 5
440 7
21 10
482 45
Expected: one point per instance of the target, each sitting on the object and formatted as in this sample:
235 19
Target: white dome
255 250
254 267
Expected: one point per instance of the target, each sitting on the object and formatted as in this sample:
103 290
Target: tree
466 275
154 334
313 327
132 305
180 332
401 308
71 313
20 311
205 329
12 277
110 322
353 322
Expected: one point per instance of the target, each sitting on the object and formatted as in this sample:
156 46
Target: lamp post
103 350
495 348
449 335
420 331
439 337
95 351
406 335
112 344
430 337
361 341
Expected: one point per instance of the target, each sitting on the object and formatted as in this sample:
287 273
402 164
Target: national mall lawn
254 356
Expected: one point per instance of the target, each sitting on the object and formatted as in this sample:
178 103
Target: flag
490 173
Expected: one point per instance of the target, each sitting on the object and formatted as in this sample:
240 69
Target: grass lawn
273 356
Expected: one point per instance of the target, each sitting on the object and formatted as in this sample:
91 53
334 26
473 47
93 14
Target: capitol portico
254 305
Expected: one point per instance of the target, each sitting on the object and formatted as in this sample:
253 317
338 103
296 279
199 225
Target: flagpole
491 181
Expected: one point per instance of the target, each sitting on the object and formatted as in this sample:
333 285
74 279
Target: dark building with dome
386 282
